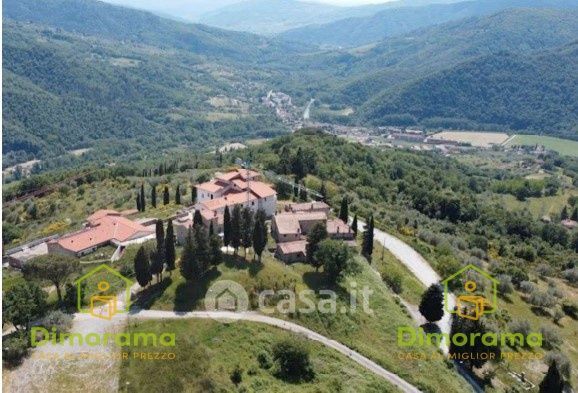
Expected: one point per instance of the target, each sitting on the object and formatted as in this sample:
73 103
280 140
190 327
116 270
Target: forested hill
357 31
103 20
64 91
503 91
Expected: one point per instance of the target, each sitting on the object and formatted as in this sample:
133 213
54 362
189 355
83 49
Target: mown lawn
207 352
563 146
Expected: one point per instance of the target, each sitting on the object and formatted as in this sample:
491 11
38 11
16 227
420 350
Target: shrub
542 299
570 309
264 360
550 337
394 281
505 284
557 314
292 359
14 349
237 375
520 326
571 275
527 287
57 319
544 270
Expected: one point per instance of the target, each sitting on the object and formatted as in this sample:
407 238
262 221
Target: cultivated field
562 146
478 139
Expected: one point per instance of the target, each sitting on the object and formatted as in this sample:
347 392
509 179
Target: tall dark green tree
432 303
211 229
260 233
575 214
166 196
227 227
138 206
142 267
178 195
54 268
316 235
553 381
367 244
170 254
142 198
564 213
188 262
247 229
156 264
202 252
344 210
193 194
197 219
23 303
154 196
323 192
160 235
354 225
215 253
236 228
335 257
303 197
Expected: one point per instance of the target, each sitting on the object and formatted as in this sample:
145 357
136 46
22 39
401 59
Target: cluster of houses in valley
240 187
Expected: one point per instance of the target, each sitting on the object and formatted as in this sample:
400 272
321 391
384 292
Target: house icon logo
107 290
476 290
226 295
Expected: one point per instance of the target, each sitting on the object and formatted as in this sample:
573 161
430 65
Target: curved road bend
285 325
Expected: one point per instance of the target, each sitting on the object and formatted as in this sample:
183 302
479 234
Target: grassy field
208 351
539 207
479 139
374 335
562 146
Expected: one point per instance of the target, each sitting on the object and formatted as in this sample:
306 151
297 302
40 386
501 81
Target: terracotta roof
337 226
128 212
211 186
228 176
228 200
247 174
242 184
287 224
243 174
261 189
299 246
97 215
102 231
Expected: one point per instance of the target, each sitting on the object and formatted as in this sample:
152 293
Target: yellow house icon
108 292
472 303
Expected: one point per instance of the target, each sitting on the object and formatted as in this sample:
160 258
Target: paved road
286 325
420 268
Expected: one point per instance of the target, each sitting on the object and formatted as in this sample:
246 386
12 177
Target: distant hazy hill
274 16
398 60
108 21
508 90
367 29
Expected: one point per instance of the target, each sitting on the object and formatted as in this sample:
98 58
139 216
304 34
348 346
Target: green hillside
64 91
362 30
501 91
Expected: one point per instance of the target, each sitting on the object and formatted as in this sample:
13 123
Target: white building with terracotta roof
240 187
103 227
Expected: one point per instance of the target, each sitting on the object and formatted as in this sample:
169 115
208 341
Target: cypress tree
193 194
201 250
367 245
170 254
553 381
160 235
354 225
197 219
564 213
236 228
188 263
138 207
296 190
154 197
215 253
142 267
166 196
156 266
227 227
142 198
303 194
178 195
575 214
211 229
344 210
259 239
247 229
432 303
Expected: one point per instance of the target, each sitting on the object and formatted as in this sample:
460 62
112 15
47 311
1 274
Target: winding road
285 325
